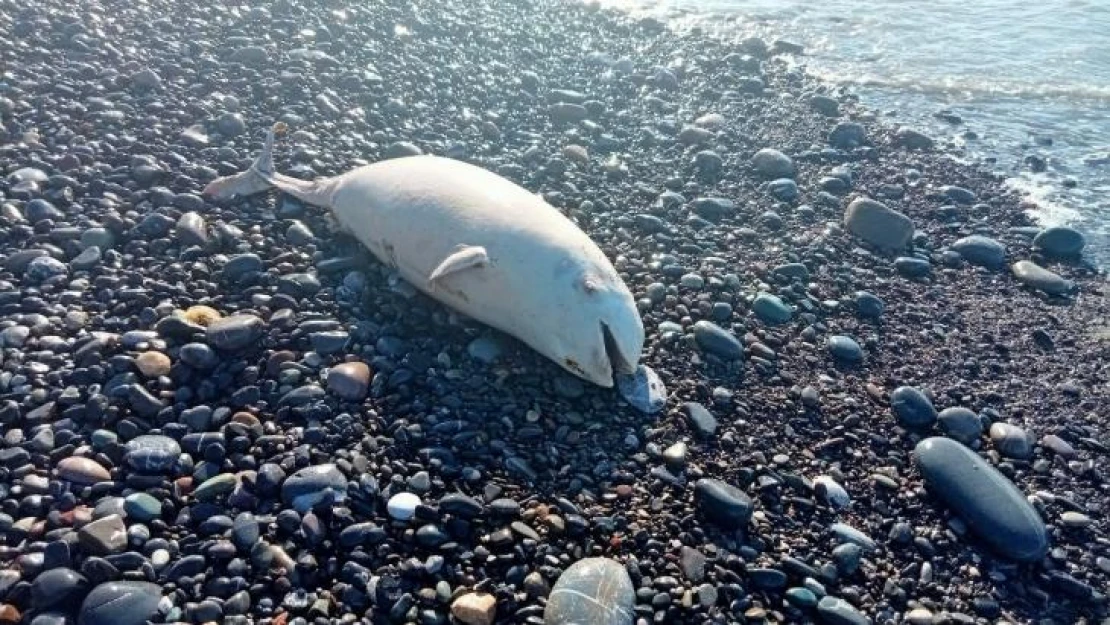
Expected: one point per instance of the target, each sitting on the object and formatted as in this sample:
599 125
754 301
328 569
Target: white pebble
402 506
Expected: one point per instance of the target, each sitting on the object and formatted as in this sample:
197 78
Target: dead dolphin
482 245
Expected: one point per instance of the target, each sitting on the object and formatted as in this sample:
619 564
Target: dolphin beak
623 345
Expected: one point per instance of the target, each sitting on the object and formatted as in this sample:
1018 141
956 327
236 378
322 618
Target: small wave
976 86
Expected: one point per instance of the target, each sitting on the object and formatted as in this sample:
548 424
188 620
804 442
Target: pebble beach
886 387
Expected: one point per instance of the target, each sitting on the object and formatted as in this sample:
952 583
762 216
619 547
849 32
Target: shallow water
1028 78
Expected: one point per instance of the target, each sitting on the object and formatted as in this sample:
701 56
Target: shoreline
272 457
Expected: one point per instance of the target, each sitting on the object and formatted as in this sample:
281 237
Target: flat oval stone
869 305
460 505
961 424
716 340
152 453
349 380
877 224
234 332
120 603
912 408
703 421
1034 276
980 250
912 267
1060 241
312 485
1011 441
402 506
722 503
82 470
845 348
836 611
597 591
989 503
771 310
643 390
57 587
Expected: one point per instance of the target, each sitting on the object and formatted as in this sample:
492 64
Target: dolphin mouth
619 362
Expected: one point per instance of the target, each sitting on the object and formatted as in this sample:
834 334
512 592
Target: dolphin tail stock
261 176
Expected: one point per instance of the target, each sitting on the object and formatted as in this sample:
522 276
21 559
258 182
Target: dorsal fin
464 257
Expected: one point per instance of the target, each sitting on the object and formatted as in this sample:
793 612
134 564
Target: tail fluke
259 178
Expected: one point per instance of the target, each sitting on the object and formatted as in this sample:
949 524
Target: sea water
1004 83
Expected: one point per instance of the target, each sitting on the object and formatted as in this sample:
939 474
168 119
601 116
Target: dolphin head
603 334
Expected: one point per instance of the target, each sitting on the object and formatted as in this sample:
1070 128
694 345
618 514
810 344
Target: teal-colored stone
142 507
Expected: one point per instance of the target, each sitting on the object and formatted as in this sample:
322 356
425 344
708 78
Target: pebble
153 364
152 453
349 380
913 267
989 503
702 421
912 408
718 341
675 455
836 611
402 506
877 224
58 588
485 349
830 491
142 507
723 504
643 390
771 310
847 135
1011 440
961 424
475 608
82 470
1036 277
1060 241
771 163
235 332
597 591
845 348
314 485
980 250
103 536
120 603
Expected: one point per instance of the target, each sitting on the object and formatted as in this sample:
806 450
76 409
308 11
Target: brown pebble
153 364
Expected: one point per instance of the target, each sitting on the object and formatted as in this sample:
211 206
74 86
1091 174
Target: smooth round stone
120 603
1075 519
692 281
771 310
878 224
801 597
980 250
912 267
1011 441
215 487
313 485
832 492
1060 241
783 189
848 534
961 424
845 348
152 453
836 611
235 332
460 505
597 591
82 470
869 305
718 341
1036 277
402 506
912 408
142 507
643 390
349 380
722 503
57 588
153 364
771 163
989 503
675 455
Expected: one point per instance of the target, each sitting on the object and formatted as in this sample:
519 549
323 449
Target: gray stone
980 250
771 310
313 485
484 349
59 587
989 503
783 189
120 603
567 112
43 268
235 332
1060 241
152 453
82 470
104 536
847 135
216 486
597 591
836 611
912 139
87 259
718 341
703 421
845 348
1011 440
771 163
1036 277
142 507
961 424
191 230
912 267
877 224
912 408
349 380
231 124
643 390
722 503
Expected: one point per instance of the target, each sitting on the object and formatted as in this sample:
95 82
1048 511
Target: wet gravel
229 412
